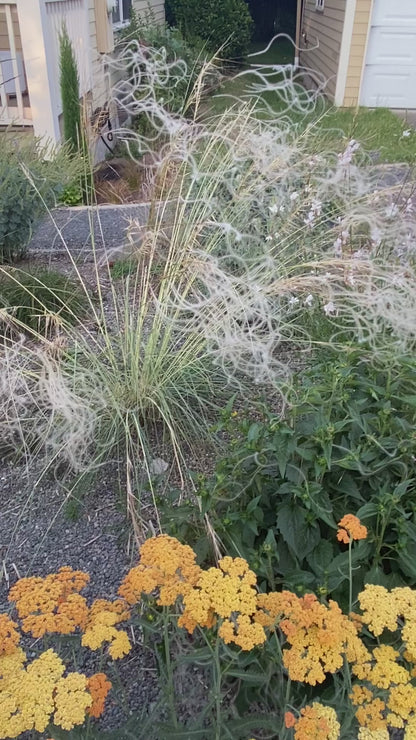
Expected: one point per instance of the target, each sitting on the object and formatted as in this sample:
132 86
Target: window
121 11
319 5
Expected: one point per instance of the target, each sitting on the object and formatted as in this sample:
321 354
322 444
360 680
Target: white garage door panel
389 77
394 12
392 47
383 88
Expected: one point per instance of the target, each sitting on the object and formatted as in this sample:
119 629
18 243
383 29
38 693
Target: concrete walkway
83 229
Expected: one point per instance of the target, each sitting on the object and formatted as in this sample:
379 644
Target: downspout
299 9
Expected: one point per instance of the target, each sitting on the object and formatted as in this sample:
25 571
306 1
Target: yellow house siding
155 9
4 37
323 30
357 52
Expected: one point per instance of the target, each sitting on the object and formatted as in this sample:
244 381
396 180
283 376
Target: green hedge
218 22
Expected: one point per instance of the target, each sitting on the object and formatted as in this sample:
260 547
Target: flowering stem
350 573
170 683
217 681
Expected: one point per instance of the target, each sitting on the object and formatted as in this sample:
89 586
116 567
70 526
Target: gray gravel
37 537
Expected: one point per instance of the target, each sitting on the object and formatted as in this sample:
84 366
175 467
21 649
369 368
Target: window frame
118 8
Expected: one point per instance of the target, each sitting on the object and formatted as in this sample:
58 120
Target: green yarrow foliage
221 23
346 445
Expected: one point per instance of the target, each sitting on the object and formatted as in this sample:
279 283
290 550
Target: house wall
4 36
153 8
357 51
321 43
99 71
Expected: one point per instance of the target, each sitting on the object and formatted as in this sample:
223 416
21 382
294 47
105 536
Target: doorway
271 17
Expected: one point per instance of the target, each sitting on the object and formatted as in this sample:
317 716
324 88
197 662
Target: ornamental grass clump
249 230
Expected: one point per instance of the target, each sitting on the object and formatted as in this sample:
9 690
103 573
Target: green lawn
380 131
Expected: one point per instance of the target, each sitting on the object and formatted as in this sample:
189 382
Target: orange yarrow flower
317 722
9 636
319 636
290 720
166 565
98 686
350 528
52 603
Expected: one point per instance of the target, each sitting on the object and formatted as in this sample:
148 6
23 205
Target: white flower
269 238
330 309
346 157
293 301
308 300
273 209
294 196
376 236
392 211
407 133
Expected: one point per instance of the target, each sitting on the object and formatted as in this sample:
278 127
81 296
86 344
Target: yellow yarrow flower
101 628
402 701
71 701
365 734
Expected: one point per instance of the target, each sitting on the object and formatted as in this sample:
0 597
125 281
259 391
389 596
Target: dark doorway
271 17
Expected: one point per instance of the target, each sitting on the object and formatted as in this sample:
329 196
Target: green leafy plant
346 443
72 195
221 23
39 300
32 177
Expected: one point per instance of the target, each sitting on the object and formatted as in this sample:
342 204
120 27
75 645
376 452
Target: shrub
32 176
184 60
69 83
346 443
39 299
221 23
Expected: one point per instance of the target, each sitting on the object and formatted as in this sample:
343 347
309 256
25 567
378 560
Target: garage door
390 67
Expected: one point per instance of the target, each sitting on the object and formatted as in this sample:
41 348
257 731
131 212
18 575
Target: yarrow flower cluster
51 604
317 639
166 565
319 636
100 627
350 528
33 695
316 722
36 694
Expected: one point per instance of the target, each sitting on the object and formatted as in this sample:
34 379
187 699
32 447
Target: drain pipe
299 9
